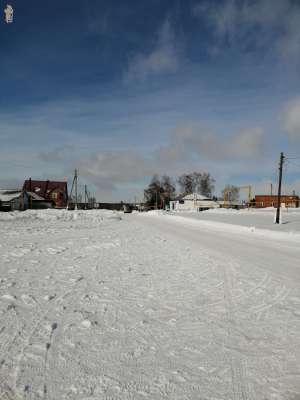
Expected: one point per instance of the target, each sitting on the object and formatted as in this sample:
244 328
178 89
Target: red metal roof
46 188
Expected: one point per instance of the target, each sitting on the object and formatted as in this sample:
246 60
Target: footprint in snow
49 297
178 376
86 324
28 300
8 297
20 252
57 250
107 245
54 326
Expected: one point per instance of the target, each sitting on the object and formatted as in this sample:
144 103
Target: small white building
193 202
13 199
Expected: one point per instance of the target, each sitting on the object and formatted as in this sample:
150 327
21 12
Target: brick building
262 201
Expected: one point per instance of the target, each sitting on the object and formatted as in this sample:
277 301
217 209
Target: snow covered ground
103 305
259 218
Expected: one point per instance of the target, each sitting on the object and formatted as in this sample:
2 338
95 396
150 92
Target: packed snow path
145 307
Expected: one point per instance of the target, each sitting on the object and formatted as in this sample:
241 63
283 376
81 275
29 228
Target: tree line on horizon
162 190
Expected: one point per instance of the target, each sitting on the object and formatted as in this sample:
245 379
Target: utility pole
85 197
281 161
271 189
30 197
76 193
74 185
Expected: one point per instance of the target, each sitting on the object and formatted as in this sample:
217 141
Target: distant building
262 201
237 205
51 191
192 202
20 200
110 206
13 200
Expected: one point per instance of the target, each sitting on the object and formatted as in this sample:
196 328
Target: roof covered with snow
35 196
9 194
195 196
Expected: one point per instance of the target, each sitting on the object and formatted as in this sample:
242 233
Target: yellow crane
227 192
249 188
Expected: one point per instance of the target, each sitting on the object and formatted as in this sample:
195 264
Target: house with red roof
52 191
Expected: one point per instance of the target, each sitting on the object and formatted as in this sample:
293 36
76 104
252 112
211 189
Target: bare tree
206 184
153 192
160 191
199 182
231 193
168 189
186 183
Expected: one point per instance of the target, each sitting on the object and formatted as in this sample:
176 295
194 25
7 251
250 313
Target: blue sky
125 89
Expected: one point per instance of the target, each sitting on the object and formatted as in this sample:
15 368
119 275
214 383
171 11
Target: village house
51 191
193 202
13 200
20 200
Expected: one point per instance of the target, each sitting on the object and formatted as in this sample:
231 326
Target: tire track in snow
37 329
181 287
56 342
239 381
282 294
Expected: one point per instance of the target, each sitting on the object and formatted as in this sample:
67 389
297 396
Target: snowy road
147 307
261 218
278 254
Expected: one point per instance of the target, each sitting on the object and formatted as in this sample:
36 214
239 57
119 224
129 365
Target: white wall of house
193 202
13 199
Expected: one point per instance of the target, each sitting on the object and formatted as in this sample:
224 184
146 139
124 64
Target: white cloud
28 139
164 57
291 119
57 154
107 170
246 144
189 148
272 25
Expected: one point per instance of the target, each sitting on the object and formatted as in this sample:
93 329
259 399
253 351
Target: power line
15 164
292 163
293 158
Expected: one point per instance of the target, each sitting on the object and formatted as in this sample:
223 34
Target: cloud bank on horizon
123 91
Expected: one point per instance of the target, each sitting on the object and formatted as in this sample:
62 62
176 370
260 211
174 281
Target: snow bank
226 227
251 211
61 215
